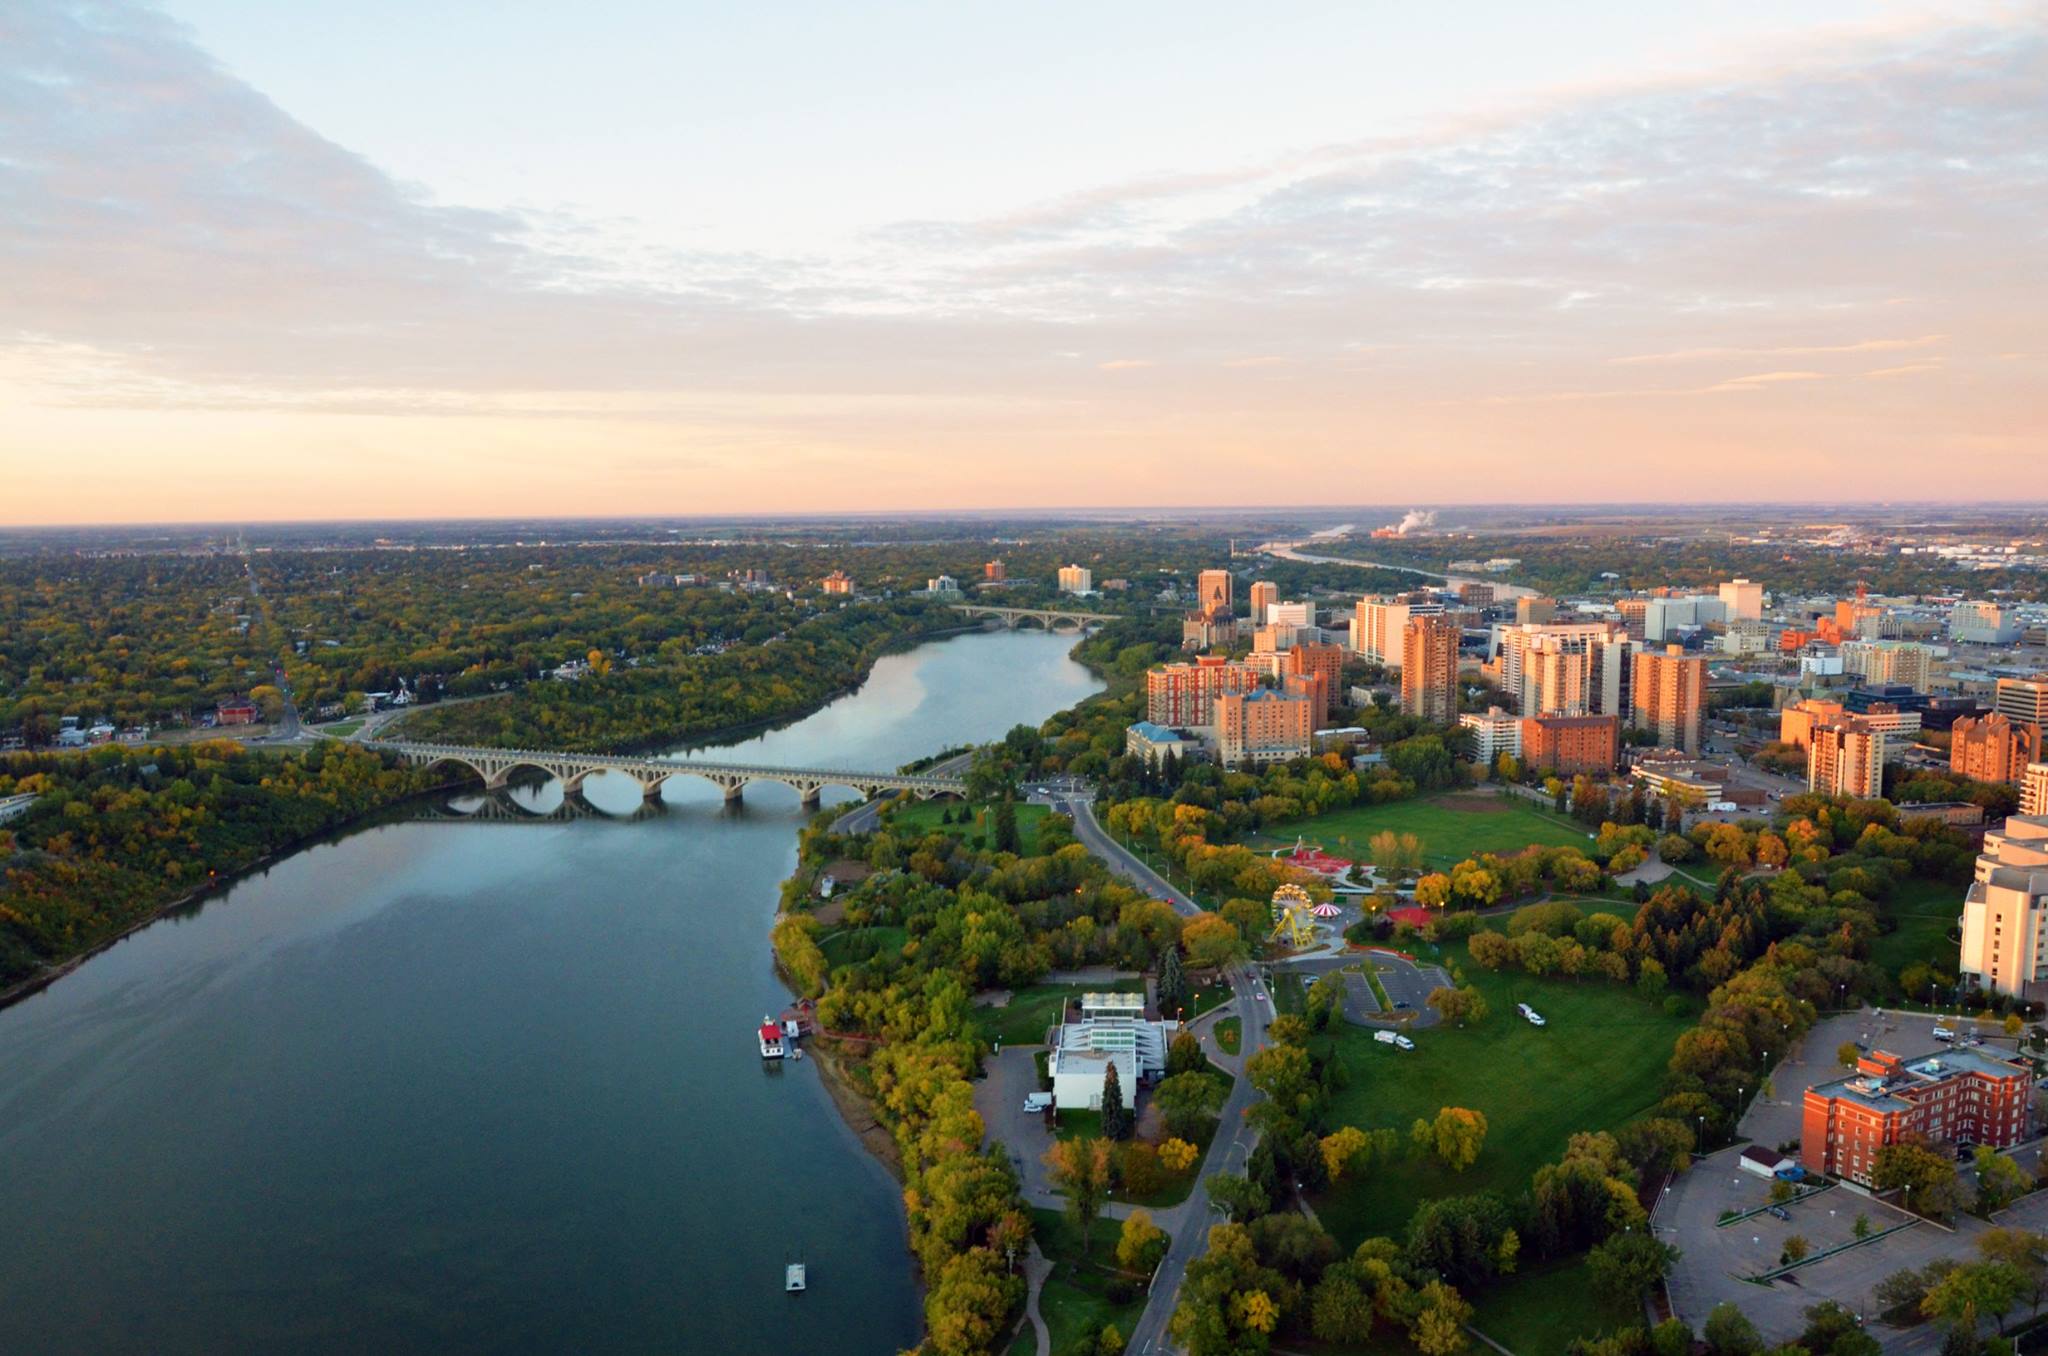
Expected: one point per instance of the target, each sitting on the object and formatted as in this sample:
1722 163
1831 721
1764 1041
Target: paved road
288 729
864 817
1235 1138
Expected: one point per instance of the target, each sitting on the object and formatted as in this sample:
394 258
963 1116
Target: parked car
1779 1212
1533 1017
1393 1038
1942 1033
1038 1101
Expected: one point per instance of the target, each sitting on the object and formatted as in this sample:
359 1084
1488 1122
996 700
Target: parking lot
1715 1260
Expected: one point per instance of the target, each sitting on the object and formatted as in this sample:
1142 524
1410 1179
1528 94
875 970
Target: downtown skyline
1796 256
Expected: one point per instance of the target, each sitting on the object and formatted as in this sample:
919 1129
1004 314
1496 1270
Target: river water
477 1086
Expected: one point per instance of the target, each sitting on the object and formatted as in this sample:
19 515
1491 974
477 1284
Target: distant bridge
496 766
1051 618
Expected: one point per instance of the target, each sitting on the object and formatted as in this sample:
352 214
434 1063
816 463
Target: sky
383 259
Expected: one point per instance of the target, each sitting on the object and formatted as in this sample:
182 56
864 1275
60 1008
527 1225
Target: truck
1393 1038
1038 1102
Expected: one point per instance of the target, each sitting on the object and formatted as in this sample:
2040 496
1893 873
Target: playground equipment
1293 917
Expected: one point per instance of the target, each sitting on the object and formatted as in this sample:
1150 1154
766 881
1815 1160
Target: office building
1429 670
1494 732
1981 624
943 583
2005 912
1271 639
1472 593
1614 666
1992 748
1292 614
1112 1030
2024 700
1665 618
1213 593
1951 1097
1669 697
1742 601
993 572
1263 726
1200 631
2034 790
1378 625
1183 696
1076 579
1796 722
1263 594
1846 758
1534 611
1569 745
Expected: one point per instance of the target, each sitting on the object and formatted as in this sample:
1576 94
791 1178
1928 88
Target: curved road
1235 1138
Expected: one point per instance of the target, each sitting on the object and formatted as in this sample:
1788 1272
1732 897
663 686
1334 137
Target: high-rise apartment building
1263 595
1494 732
1569 745
1846 758
1632 613
1534 611
1669 697
1556 677
1322 661
1315 689
1182 696
1992 748
1889 661
1429 670
2005 913
1614 669
1292 614
1796 722
1519 642
1377 627
1213 593
1742 600
994 572
2034 790
1076 579
1262 727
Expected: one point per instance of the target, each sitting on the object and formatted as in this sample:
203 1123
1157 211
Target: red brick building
1179 696
236 711
1950 1097
1571 744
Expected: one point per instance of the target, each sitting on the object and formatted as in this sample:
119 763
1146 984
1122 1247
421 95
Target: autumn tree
1460 1005
1457 1135
1141 1244
1080 1168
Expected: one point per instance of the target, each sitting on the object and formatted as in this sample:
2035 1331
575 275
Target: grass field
1451 827
858 944
1539 1310
338 730
923 817
1076 1298
1597 1064
1023 1020
1229 1034
1926 913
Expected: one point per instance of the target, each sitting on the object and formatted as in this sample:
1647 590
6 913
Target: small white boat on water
793 1277
773 1046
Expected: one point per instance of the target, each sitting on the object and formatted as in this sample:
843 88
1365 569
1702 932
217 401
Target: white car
1533 1017
1393 1038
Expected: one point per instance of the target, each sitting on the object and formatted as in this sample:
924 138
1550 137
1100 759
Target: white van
1393 1038
1529 1014
1038 1101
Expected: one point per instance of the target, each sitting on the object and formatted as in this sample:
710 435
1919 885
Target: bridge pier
812 796
650 787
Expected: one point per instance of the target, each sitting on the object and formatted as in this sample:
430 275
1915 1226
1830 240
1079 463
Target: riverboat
773 1046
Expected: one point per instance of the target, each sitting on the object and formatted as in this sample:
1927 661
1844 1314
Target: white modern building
1494 732
1076 579
2005 913
1112 1030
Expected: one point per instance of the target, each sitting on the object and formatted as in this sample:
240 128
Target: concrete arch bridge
494 767
1052 619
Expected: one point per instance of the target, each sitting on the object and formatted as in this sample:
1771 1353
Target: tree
1461 1005
2000 1181
1141 1244
1080 1168
1628 1264
1187 1102
1342 1150
2025 1250
1211 942
1238 1197
1847 1053
1007 838
1439 1328
1172 989
1283 1073
1966 1296
1116 1118
1289 1029
1458 1136
1796 1248
971 1303
1832 1330
1178 1155
1729 1333
1862 1226
1927 1179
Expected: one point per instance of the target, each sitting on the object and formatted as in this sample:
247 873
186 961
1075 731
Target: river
446 1086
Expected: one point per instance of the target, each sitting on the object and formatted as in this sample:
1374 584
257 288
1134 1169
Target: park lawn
1075 1300
1925 912
1024 1019
1229 1034
1540 1309
850 945
1452 827
338 729
1598 1063
922 817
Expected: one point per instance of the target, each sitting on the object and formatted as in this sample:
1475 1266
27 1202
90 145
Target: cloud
1904 370
1796 350
1123 364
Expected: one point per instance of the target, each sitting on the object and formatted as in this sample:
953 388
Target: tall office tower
1214 591
1670 695
1429 670
2023 700
1743 600
1846 758
1263 596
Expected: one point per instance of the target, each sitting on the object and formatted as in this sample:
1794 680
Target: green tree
1141 1244
1729 1333
2000 1181
1116 1117
1081 1168
1237 1196
1965 1297
1628 1264
1926 1179
1458 1135
1188 1102
1006 836
1172 989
